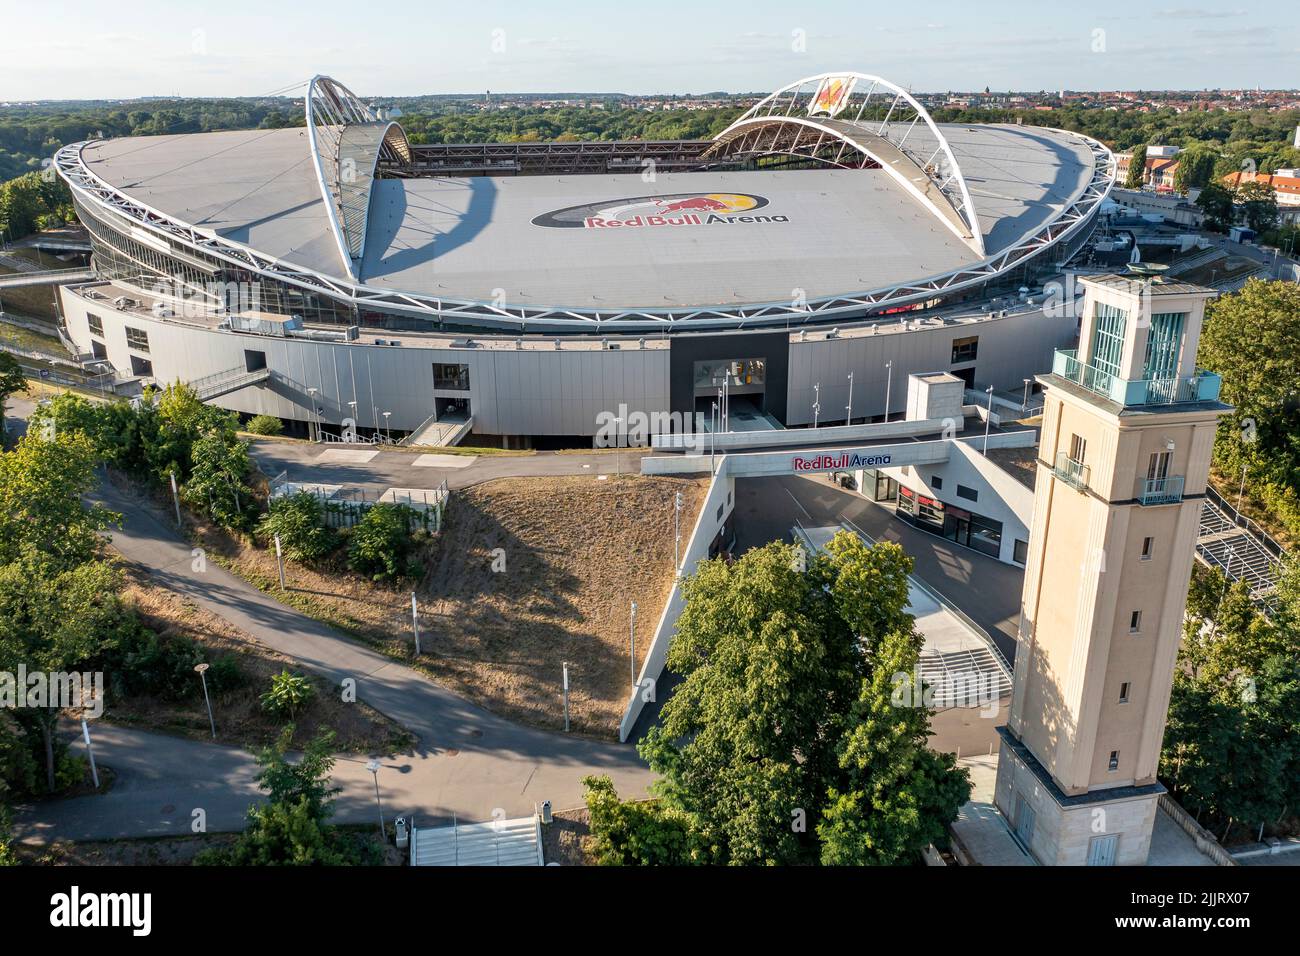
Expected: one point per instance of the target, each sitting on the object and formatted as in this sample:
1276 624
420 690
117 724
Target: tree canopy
784 742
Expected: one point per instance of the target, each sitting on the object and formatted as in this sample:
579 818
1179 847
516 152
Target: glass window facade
137 339
1107 353
454 378
1164 344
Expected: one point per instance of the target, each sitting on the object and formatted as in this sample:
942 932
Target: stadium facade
340 277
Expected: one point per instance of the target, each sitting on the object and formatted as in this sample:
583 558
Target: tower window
1148 547
1123 692
1135 622
1078 448
1114 761
94 323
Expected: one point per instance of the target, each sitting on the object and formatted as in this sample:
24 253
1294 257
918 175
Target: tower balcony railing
1073 473
1201 387
1161 491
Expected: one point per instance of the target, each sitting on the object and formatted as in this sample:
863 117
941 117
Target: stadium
354 284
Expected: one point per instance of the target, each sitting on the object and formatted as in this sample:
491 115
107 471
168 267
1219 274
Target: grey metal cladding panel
468 238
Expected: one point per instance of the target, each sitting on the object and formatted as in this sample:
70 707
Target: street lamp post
202 670
373 766
849 407
988 420
817 402
677 533
631 643
90 751
1024 402
315 419
889 381
713 440
388 433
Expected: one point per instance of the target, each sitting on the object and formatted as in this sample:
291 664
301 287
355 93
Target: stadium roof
835 236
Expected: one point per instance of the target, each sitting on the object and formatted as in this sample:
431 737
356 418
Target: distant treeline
30 134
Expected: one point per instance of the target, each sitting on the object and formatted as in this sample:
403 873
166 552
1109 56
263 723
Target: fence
343 509
1205 842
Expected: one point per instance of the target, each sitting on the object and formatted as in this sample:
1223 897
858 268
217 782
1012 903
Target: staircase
1227 540
515 842
231 380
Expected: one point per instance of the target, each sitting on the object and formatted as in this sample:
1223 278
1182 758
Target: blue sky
125 48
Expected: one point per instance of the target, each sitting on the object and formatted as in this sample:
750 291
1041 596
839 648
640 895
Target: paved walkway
385 469
467 762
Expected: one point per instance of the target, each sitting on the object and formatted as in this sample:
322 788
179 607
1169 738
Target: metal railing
1161 491
1073 473
1200 387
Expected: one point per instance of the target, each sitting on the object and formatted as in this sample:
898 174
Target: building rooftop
839 231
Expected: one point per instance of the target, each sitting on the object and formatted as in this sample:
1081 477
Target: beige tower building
1128 427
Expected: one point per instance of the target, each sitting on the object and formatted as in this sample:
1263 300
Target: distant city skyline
81 50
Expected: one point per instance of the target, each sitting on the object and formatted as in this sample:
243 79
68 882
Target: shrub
264 425
146 664
381 543
299 521
643 833
288 695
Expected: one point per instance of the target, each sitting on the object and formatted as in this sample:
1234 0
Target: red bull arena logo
846 461
682 209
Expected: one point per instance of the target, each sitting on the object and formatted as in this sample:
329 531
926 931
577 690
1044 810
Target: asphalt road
467 762
985 589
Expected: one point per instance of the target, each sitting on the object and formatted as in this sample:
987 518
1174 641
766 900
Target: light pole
618 447
202 670
373 767
677 533
889 381
713 440
388 433
988 420
817 402
311 390
352 406
631 643
90 751
722 411
1024 402
849 406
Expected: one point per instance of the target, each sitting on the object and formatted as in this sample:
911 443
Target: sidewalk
467 761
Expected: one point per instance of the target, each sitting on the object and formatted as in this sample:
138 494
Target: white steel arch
347 140
933 178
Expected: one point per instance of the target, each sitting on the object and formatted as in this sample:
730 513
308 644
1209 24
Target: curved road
467 762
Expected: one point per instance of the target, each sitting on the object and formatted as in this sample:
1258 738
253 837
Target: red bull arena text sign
847 461
682 209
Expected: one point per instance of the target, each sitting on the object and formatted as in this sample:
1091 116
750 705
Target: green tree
1195 169
773 749
218 466
1137 167
299 520
42 484
264 425
288 695
639 833
55 620
897 795
291 828
12 379
1216 203
1258 204
380 543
